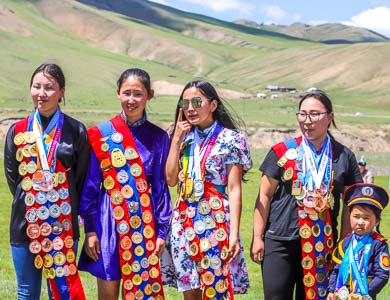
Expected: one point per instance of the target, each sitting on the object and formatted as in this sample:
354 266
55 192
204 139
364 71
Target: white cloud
376 19
219 6
274 14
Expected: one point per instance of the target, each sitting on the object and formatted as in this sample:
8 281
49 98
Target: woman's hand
234 248
91 245
331 296
257 250
160 246
182 127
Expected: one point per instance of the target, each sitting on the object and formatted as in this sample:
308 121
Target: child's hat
365 193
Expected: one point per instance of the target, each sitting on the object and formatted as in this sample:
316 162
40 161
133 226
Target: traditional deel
48 209
125 182
202 214
314 204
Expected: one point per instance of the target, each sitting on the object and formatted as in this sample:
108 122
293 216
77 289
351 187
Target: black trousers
282 270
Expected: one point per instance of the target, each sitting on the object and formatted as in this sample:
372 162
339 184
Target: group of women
115 175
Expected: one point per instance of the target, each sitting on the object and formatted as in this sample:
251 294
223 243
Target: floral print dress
178 267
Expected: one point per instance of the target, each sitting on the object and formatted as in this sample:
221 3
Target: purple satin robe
96 209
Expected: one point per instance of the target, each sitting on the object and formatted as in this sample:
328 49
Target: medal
198 187
117 137
117 158
122 177
47 245
118 213
305 231
139 251
68 242
189 233
33 231
320 277
128 284
58 243
116 197
126 255
19 139
153 259
38 262
19 155
282 161
311 294
66 224
154 272
224 253
188 186
148 232
52 196
22 169
135 222
105 164
307 263
104 147
145 200
209 223
307 247
35 247
127 191
31 215
125 243
291 154
296 188
136 170
31 167
33 150
219 217
215 203
61 177
181 176
108 183
130 153
288 174
141 185
308 280
59 259
319 246
70 256
220 234
26 151
343 293
122 227
29 137
47 261
137 238
57 228
210 292
204 244
146 217
199 227
207 277
204 207
194 249
316 230
29 199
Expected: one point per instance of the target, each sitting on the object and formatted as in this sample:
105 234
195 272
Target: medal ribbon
59 265
140 269
355 263
47 151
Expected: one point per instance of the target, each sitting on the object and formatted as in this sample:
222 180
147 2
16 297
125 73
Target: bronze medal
68 242
311 294
58 243
33 231
35 247
105 164
141 185
207 278
320 261
329 243
128 284
47 245
135 222
320 277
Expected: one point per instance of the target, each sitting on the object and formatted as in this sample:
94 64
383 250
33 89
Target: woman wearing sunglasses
207 160
295 218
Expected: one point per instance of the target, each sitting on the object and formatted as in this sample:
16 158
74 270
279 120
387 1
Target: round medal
288 174
70 256
224 253
128 284
52 196
147 217
191 211
29 199
156 287
314 217
26 184
47 245
215 203
58 244
208 278
209 223
137 238
105 164
205 263
220 234
142 185
302 214
126 255
31 167
139 251
130 153
148 289
122 227
307 263
63 193
291 154
135 266
67 225
343 293
60 272
181 176
72 269
33 231
43 213
38 262
139 295
305 232
19 139
198 187
319 246
29 137
204 244
137 279
133 207
150 245
145 200
308 280
329 243
148 232
31 215
41 198
54 211
35 247
316 230
108 183
65 208
220 286
194 249
212 239
302 195
104 147
144 263
126 269
320 261
135 222
203 207
199 227
135 170
125 243
116 197
57 227
33 150
59 259
68 242
154 272
189 233
61 177
45 229
117 137
26 151
127 192
320 277
153 259
307 247
122 177
219 217
47 261
118 213
210 292
311 294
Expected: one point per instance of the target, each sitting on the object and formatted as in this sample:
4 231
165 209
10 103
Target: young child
362 258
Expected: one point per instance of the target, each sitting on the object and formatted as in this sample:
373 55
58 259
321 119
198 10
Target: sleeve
10 163
334 272
239 152
90 194
353 175
270 167
380 272
162 204
82 161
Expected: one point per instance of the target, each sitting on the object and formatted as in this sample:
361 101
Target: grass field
250 189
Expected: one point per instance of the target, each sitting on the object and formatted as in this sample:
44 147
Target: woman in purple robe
125 202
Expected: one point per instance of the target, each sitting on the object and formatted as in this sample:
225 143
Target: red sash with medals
315 227
126 185
49 218
203 217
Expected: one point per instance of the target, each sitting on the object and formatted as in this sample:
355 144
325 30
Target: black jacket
73 152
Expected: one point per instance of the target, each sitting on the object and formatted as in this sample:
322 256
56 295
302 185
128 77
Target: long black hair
54 71
140 74
221 114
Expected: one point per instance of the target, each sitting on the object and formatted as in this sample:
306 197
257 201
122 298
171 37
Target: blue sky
371 14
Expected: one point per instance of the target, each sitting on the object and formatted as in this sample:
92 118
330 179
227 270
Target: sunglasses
196 102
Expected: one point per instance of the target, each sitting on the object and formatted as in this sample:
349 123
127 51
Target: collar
136 123
206 131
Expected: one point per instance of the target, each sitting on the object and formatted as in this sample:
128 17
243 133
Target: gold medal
204 244
220 286
19 139
137 279
59 259
116 197
27 184
19 155
139 250
55 179
118 213
308 280
108 183
307 247
130 153
307 263
61 177
208 278
38 262
126 255
153 259
288 174
136 170
148 289
319 246
311 294
70 256
305 231
31 167
194 249
117 158
154 272
29 137
150 245
126 269
148 232
146 217
145 200
26 151
210 292
68 242
135 222
33 150
22 169
224 253
125 243
47 261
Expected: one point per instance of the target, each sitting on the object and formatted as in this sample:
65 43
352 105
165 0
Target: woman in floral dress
207 160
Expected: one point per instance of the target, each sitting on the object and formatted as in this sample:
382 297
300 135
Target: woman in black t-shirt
295 218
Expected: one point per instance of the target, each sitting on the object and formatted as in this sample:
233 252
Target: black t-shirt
282 223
